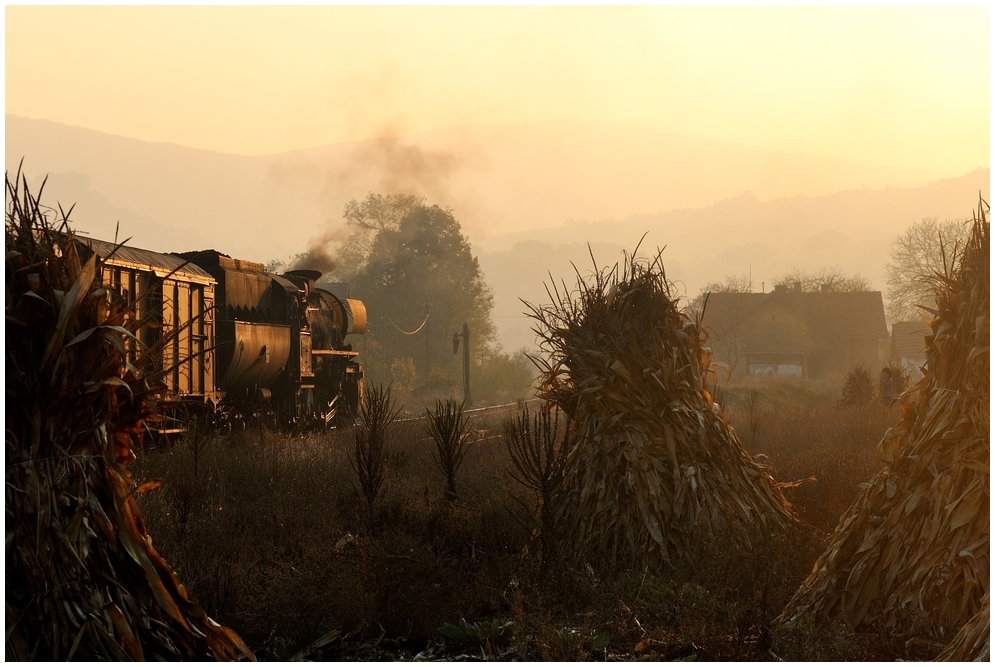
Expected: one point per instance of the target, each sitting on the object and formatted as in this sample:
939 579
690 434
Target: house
792 332
908 347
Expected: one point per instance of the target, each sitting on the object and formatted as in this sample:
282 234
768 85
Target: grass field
272 537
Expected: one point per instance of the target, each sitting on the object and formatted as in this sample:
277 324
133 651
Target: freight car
229 340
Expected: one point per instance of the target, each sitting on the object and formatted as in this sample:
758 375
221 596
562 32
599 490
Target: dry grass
837 446
271 536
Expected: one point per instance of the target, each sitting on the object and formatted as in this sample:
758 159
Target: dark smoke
318 258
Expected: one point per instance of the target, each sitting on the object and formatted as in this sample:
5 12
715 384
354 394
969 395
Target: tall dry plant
83 580
912 552
449 427
369 455
538 454
653 462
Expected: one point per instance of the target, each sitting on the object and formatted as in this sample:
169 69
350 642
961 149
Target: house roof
825 314
147 260
908 339
720 303
843 314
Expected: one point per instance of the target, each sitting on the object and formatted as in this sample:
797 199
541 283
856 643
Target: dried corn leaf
972 642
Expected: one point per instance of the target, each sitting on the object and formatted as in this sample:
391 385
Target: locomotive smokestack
317 258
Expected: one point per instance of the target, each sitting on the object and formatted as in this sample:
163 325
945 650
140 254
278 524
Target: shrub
404 374
858 388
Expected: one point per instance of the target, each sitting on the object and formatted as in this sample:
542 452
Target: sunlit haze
895 85
509 332
747 141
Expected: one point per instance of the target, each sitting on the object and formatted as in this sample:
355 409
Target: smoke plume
386 165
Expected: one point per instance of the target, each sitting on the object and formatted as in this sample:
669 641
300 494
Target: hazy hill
499 178
852 230
506 184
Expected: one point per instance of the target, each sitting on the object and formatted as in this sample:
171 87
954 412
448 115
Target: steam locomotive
230 340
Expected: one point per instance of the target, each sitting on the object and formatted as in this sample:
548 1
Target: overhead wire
410 333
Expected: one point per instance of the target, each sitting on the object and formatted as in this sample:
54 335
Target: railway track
488 411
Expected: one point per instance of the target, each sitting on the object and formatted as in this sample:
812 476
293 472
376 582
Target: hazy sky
897 85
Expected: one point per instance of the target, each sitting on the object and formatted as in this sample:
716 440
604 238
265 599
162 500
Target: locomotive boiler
231 340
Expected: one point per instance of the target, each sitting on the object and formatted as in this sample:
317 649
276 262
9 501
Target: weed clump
369 454
449 427
538 456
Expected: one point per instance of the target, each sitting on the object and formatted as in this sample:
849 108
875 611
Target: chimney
798 286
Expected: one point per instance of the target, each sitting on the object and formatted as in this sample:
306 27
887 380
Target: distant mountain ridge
497 178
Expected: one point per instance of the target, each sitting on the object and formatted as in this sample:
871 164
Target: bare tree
732 284
826 279
926 248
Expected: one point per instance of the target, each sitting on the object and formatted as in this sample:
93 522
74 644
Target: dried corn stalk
912 552
83 580
972 641
653 462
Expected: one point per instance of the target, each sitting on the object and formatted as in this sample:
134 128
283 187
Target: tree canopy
420 282
367 218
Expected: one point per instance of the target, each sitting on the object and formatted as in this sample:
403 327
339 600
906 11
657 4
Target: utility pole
465 335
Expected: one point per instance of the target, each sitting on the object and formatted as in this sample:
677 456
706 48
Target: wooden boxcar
173 300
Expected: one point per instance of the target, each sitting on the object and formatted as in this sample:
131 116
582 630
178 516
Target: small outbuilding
908 347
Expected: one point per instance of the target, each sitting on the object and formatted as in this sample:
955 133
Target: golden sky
897 85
